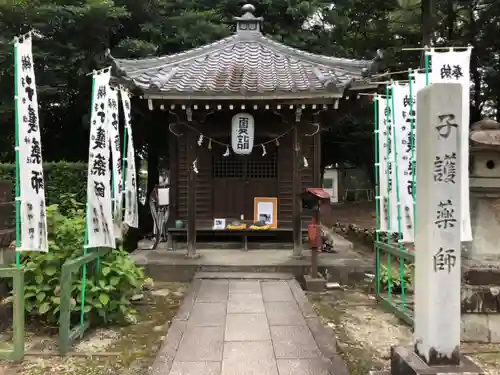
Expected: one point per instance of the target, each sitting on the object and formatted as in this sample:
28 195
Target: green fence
394 264
67 334
16 350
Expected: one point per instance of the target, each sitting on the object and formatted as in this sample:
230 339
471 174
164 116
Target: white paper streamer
31 181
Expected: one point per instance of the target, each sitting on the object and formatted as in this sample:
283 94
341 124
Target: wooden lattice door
237 179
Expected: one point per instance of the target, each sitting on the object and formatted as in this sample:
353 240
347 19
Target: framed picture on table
266 209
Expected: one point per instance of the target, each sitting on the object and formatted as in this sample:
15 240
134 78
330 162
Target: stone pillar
437 239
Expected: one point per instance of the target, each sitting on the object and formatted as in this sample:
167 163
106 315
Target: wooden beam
317 160
191 222
297 205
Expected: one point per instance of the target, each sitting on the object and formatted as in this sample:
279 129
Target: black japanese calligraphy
26 63
242 136
26 83
99 109
99 165
101 92
96 224
99 189
449 72
100 138
35 152
446 123
37 181
445 215
445 260
445 168
31 119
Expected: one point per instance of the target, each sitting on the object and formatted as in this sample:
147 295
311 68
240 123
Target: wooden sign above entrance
242 133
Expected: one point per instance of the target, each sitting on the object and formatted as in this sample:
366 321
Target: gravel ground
128 350
365 333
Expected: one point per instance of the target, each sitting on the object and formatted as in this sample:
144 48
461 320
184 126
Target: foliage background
75 34
62 180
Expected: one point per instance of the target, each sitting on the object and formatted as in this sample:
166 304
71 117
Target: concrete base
162 265
314 284
404 361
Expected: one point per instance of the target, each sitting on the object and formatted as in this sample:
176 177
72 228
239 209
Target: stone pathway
232 326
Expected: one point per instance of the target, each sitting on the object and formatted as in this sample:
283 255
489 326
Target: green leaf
51 270
44 308
39 278
114 280
106 271
40 296
104 299
87 308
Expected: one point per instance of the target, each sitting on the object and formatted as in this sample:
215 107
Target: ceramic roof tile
244 64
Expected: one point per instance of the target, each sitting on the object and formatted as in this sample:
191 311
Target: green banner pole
412 147
389 187
124 157
18 187
377 192
86 237
398 204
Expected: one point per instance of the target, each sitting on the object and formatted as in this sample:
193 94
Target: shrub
108 291
61 178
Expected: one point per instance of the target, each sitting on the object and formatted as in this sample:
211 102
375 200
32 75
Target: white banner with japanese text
116 161
382 164
454 66
100 228
389 205
31 181
131 207
405 112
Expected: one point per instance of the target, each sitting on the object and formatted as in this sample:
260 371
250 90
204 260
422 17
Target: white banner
382 164
131 208
100 229
405 111
455 67
116 161
31 182
389 200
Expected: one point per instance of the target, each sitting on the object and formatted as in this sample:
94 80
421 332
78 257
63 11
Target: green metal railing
67 334
392 284
16 350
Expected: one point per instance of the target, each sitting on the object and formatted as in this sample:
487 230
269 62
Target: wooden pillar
191 203
296 190
317 159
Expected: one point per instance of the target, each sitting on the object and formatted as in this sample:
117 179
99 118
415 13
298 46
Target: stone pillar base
404 361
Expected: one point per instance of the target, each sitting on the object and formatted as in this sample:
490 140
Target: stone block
294 342
284 314
404 361
315 284
246 327
494 326
475 328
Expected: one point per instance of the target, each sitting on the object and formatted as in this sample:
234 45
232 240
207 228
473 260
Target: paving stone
249 358
244 286
276 291
201 344
284 314
294 342
213 291
302 367
246 327
245 303
196 368
206 314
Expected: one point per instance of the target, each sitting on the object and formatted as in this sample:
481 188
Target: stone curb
166 354
326 341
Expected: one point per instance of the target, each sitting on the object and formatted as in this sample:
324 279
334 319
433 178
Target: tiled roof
246 64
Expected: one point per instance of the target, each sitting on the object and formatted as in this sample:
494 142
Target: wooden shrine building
246 114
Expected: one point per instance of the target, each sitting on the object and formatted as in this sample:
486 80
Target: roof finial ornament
248 8
248 22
